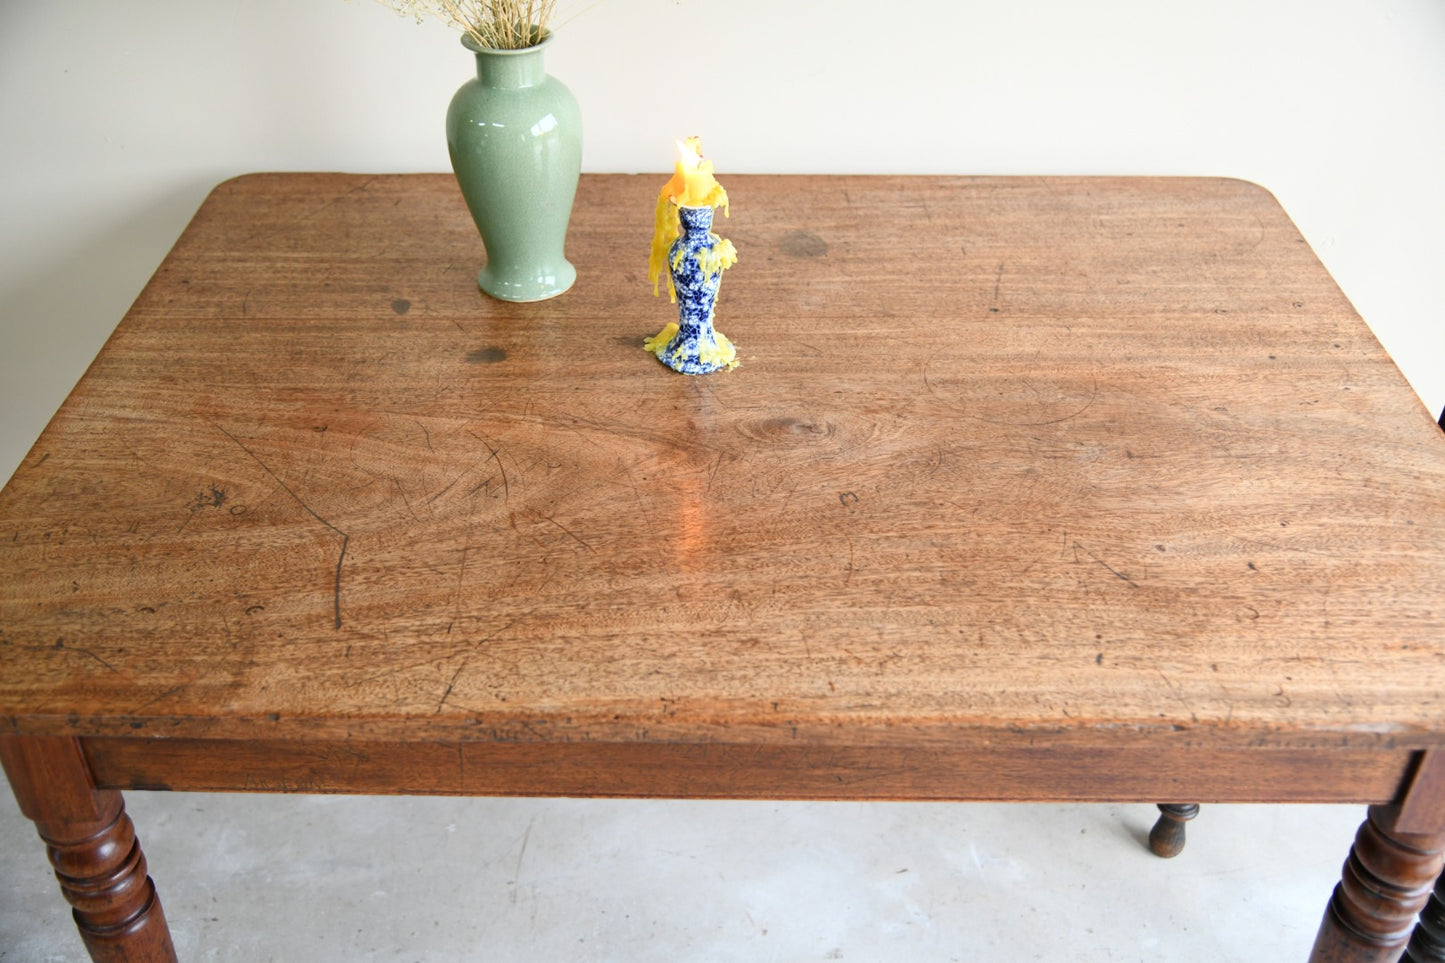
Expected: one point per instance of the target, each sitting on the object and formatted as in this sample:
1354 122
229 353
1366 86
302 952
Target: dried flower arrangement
495 24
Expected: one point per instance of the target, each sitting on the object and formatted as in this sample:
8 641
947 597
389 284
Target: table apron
733 771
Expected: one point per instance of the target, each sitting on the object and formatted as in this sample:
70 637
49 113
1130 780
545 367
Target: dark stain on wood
803 244
488 355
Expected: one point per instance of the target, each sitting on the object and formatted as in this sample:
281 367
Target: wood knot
785 428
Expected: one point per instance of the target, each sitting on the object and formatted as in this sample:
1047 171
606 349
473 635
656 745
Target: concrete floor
320 879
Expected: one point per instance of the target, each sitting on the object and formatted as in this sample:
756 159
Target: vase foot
690 352
514 286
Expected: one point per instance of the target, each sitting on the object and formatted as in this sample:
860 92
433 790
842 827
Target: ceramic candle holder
696 261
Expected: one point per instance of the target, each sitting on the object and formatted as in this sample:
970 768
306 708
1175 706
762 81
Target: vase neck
510 68
695 220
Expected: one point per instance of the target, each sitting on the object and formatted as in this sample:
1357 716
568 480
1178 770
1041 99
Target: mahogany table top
1098 459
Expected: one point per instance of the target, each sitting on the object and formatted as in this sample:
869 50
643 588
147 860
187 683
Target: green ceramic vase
515 139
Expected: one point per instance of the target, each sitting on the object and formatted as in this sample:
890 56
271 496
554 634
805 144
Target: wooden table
1027 489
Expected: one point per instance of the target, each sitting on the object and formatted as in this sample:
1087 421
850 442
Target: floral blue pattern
696 261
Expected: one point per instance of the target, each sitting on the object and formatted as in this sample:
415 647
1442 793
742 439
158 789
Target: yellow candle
692 185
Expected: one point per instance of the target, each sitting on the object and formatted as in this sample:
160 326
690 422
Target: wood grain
1099 462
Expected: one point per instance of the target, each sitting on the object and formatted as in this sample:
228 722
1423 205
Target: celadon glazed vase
515 139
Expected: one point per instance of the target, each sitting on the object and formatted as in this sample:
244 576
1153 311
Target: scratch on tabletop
157 698
359 188
926 383
60 644
441 703
392 674
345 538
626 480
461 574
451 484
998 280
396 483
1080 547
1174 691
712 475
572 534
506 485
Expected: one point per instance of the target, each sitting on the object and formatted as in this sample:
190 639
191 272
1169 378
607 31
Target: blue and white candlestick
696 262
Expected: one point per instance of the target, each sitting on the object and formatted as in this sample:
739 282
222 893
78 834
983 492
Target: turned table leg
1397 856
93 848
1428 943
1166 839
1386 882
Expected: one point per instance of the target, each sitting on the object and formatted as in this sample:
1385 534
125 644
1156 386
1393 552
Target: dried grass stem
497 24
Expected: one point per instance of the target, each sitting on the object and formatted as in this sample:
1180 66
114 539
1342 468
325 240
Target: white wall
116 118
